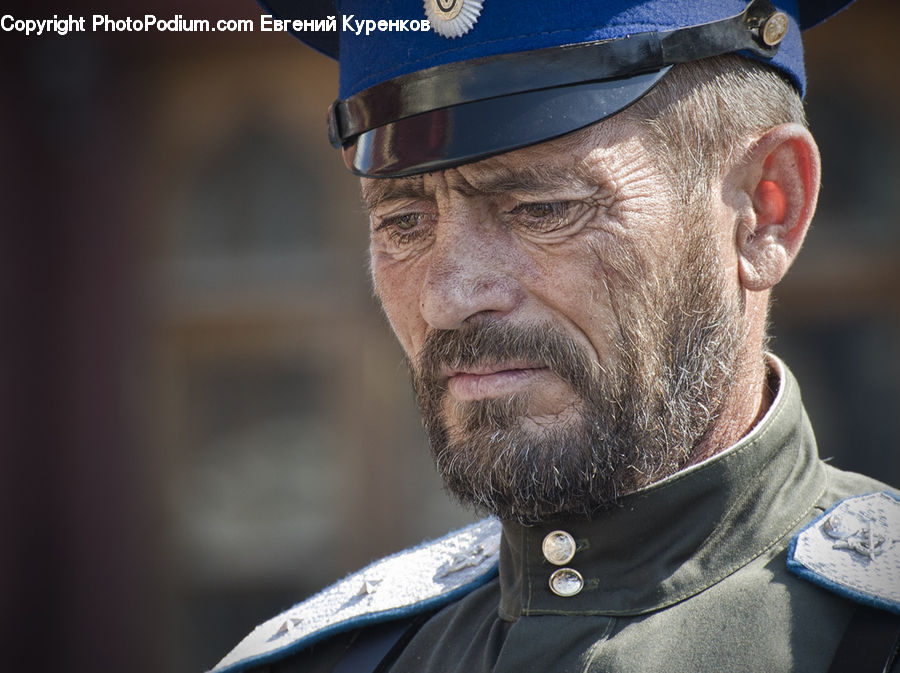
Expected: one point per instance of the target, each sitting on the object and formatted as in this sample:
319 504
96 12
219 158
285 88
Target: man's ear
781 176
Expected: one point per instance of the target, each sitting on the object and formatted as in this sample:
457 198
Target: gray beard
636 423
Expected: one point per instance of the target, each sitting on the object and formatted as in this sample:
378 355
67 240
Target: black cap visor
469 132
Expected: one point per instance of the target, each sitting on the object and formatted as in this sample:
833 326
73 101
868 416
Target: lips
487 381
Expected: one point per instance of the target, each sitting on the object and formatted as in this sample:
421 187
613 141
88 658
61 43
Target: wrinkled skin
656 355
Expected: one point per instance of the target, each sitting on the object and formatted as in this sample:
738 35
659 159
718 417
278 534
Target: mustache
494 342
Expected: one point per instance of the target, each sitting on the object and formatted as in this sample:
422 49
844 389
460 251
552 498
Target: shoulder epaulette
854 550
404 584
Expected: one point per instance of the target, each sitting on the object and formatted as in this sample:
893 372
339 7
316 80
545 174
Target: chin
505 415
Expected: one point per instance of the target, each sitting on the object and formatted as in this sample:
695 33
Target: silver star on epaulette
289 625
368 587
470 558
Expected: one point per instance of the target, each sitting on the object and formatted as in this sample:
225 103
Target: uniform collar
681 535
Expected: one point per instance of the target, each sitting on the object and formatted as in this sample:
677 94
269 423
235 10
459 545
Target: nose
471 271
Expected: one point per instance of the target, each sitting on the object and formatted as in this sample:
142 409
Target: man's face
570 326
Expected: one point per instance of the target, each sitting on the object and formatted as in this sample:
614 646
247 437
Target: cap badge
452 18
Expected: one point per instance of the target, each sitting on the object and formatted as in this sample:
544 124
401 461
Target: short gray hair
702 112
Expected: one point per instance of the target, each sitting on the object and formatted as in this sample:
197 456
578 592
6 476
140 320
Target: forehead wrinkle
526 178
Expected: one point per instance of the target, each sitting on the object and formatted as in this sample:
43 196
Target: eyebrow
498 179
376 190
533 178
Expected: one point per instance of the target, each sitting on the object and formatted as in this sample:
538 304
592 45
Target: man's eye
403 229
403 222
543 216
540 209
398 224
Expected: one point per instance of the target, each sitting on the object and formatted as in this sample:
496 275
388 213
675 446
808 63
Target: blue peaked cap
517 72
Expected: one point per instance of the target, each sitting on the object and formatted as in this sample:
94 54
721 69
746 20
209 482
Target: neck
749 397
747 403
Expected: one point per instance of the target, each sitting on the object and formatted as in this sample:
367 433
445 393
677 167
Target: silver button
566 582
775 28
558 547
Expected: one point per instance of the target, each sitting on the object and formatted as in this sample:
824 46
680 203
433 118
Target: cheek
395 285
620 275
575 283
603 289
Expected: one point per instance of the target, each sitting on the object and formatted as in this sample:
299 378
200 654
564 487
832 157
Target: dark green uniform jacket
688 575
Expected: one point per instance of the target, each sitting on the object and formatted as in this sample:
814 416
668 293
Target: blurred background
205 417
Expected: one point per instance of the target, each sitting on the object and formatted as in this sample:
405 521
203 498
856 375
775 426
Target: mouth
496 380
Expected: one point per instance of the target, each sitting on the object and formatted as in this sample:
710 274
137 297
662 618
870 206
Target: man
577 217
